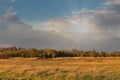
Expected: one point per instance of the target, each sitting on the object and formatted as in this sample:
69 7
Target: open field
60 69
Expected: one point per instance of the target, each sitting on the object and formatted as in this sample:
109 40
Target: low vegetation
49 64
50 53
76 68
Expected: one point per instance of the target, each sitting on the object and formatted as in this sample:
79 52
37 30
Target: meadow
71 68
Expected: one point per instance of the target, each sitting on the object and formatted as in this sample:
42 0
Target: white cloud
66 25
56 24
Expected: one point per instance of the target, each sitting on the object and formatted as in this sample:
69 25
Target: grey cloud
106 22
102 30
15 33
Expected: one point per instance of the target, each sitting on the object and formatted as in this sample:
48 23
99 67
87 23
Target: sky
60 24
34 12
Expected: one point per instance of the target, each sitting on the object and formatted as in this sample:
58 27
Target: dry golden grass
61 68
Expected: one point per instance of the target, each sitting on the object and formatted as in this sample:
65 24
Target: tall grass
60 69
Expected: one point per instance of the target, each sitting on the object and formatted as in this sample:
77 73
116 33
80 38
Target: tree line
51 53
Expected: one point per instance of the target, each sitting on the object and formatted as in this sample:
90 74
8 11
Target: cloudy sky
60 24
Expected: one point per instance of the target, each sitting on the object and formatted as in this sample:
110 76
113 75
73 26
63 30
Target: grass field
60 69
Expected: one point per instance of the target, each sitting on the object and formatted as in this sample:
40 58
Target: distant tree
103 54
95 53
